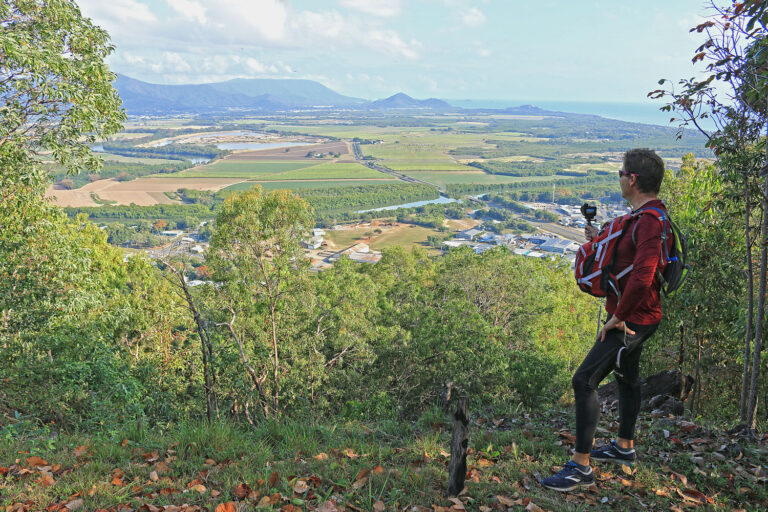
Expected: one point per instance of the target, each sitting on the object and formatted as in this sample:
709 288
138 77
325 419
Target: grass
450 178
279 171
403 235
305 463
238 169
427 165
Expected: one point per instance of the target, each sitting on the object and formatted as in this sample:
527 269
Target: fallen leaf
627 469
168 491
508 502
151 456
242 491
81 450
74 504
682 478
378 470
118 482
153 476
45 480
124 443
321 456
160 467
273 478
264 502
330 506
485 463
300 487
532 507
457 503
210 462
226 507
36 462
695 495
198 488
215 493
379 506
349 452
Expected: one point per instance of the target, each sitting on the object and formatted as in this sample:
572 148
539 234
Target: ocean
647 113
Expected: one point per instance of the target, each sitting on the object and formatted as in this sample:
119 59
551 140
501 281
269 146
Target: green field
239 169
405 235
280 171
296 185
427 165
333 170
442 179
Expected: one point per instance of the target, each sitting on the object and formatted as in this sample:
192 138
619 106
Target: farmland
521 152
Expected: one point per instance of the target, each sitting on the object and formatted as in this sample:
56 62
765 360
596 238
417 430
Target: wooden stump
457 468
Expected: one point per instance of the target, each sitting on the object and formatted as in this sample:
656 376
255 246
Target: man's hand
590 232
613 323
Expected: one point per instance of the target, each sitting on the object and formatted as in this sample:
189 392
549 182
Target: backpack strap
665 226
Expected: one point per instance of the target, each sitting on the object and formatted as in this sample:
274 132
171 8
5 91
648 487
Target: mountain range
258 95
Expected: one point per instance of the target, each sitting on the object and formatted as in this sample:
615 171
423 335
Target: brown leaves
301 486
81 451
273 478
226 507
242 491
36 462
361 478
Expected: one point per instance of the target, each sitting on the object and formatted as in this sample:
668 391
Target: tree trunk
681 354
750 306
457 468
752 405
697 393
275 393
206 347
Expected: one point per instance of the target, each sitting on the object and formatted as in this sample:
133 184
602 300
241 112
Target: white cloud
388 41
473 17
117 11
481 49
381 8
189 10
250 20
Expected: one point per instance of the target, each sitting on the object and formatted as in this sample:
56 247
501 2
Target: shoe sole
617 461
566 489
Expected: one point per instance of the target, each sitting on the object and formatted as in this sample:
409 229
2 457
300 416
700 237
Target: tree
255 253
55 91
736 55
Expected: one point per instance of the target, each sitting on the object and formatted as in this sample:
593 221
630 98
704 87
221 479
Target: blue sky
563 50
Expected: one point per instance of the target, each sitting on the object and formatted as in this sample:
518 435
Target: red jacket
640 297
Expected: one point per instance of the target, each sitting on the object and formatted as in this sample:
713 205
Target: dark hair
648 166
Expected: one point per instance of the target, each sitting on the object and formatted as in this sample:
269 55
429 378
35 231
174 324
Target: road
386 170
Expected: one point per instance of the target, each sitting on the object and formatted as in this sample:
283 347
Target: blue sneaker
570 477
613 453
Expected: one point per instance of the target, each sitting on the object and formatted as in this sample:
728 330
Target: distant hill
403 101
240 94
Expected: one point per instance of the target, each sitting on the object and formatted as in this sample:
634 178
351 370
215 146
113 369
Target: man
631 320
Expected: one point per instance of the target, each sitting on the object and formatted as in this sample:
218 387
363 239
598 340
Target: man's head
646 167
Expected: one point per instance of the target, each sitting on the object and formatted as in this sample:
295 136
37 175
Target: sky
557 50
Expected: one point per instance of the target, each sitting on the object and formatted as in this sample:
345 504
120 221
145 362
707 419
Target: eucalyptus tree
733 95
257 260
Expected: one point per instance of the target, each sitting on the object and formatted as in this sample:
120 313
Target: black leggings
601 361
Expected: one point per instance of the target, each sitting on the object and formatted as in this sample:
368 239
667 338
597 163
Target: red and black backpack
594 265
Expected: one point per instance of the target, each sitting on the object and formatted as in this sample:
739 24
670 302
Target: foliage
56 90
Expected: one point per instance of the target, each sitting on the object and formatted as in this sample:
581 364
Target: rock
664 393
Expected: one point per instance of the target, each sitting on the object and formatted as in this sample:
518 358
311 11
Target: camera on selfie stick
589 212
